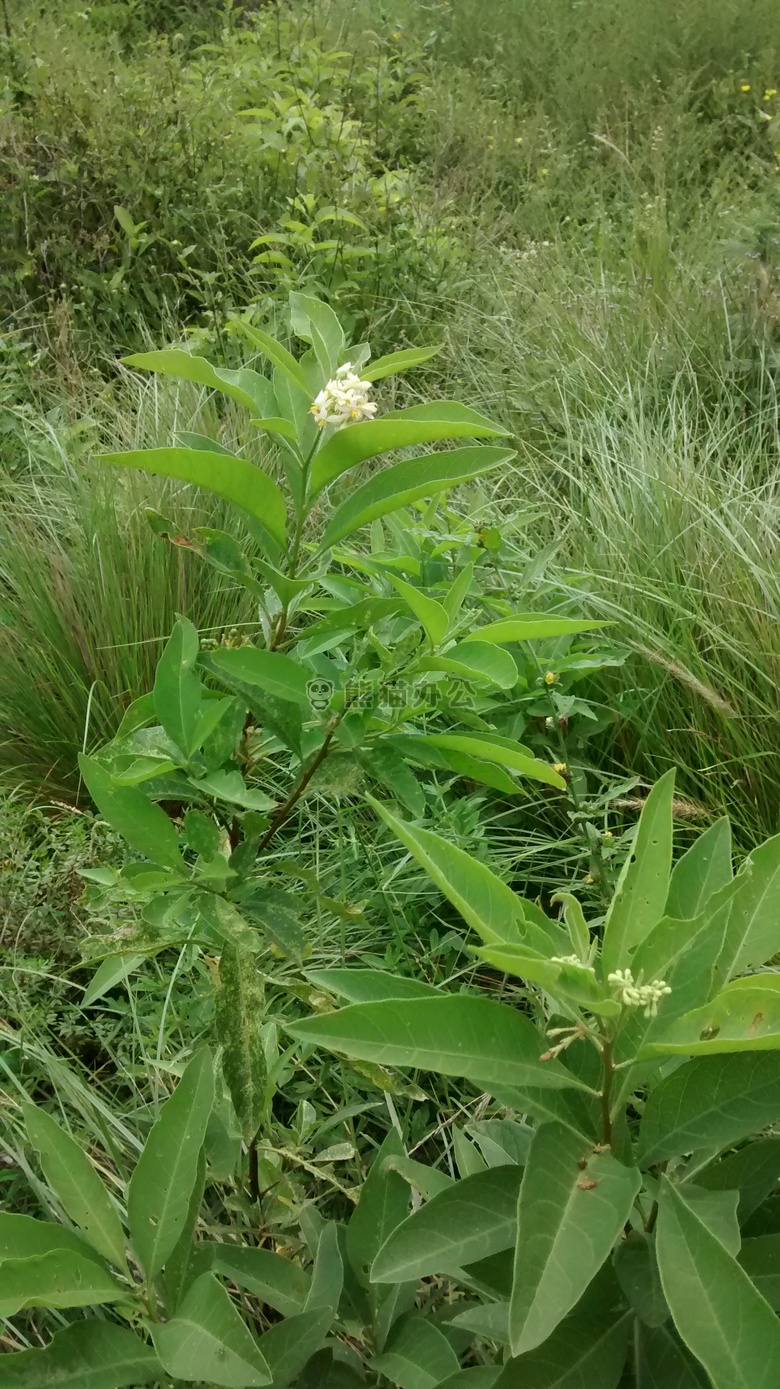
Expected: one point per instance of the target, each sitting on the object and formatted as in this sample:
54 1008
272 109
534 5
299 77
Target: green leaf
235 479
327 1279
273 350
417 1355
753 1171
182 1265
745 1016
76 1184
703 870
276 425
86 1355
636 1267
469 1221
760 1258
408 482
178 692
112 971
581 1353
246 386
273 1279
208 1341
532 767
720 1316
60 1278
416 748
643 886
574 1202
280 716
486 903
239 1017
384 765
369 985
712 1101
474 1038
315 322
397 361
752 935
382 1206
160 1188
429 613
289 1344
717 1210
664 1363
144 825
532 627
419 424
231 787
24 1236
278 675
476 660
479 1377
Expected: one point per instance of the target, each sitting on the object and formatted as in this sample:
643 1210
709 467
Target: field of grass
579 203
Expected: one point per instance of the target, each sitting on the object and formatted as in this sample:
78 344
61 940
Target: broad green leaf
160 1188
276 912
488 1320
184 1263
143 824
760 1258
408 482
24 1236
112 971
703 870
86 1355
274 673
272 1278
76 1184
235 479
289 1344
327 1279
382 1206
717 1210
581 1353
208 1341
662 1361
476 660
752 934
315 322
417 1355
416 749
478 1377
418 424
60 1278
532 627
643 886
574 1202
712 1101
753 1171
745 1016
397 361
636 1267
276 425
383 764
231 787
428 612
459 1035
720 1316
178 692
486 903
246 386
492 751
273 350
369 985
281 717
501 1140
472 1219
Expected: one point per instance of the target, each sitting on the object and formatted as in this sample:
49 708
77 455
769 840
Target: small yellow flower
590 878
397 34
745 87
561 768
518 139
769 93
544 172
551 678
607 835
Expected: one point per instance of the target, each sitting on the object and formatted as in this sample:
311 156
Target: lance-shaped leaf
408 482
208 1341
703 869
160 1188
494 751
643 886
753 1171
369 985
383 764
472 1219
382 1206
143 824
272 1278
235 479
87 1355
397 361
76 1184
745 1016
532 627
278 675
178 692
24 1236
459 1035
246 386
760 1259
573 1205
419 424
710 1102
315 322
720 1315
752 934
476 660
582 1353
289 1344
636 1267
60 1278
273 350
663 1362
417 1355
477 1377
428 611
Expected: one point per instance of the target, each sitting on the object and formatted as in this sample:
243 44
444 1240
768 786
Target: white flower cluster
570 960
343 400
632 994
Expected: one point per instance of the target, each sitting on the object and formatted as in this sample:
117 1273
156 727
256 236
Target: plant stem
606 1091
292 800
6 19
